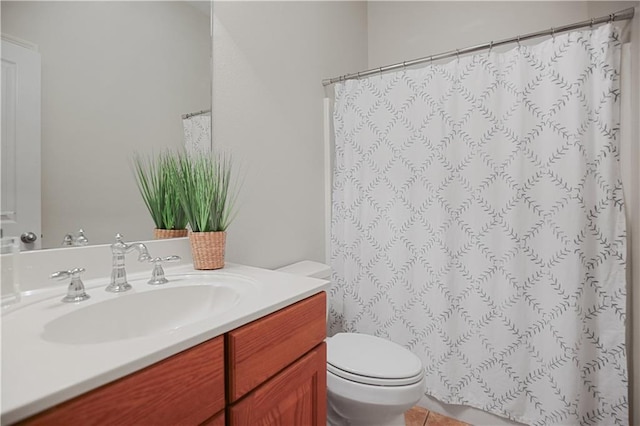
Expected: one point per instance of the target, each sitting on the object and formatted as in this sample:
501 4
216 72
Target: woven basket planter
162 234
207 249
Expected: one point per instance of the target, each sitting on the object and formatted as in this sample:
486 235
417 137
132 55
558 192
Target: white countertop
38 374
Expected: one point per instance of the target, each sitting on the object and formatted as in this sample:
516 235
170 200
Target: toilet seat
370 360
367 380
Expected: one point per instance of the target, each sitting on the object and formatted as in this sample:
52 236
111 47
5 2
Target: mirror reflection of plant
207 192
158 181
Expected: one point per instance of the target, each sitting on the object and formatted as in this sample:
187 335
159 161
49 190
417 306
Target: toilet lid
371 360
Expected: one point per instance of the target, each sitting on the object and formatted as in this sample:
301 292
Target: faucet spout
118 272
143 252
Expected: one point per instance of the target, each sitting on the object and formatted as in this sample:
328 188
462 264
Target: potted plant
158 182
208 195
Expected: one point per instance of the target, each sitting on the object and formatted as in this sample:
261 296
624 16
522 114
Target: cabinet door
296 396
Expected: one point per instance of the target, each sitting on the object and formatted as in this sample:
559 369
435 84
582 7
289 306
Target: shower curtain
478 220
197 133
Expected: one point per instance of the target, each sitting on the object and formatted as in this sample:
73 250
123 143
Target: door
20 204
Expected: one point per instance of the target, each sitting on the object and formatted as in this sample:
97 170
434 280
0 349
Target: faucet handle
81 239
67 240
157 276
75 272
76 291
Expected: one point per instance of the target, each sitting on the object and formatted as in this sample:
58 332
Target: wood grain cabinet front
295 397
276 368
186 389
262 348
217 420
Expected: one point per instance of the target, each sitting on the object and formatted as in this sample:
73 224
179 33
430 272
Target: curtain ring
612 17
458 54
404 65
431 60
519 41
358 76
380 70
490 46
553 33
591 25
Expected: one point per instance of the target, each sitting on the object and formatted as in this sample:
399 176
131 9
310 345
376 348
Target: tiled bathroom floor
419 416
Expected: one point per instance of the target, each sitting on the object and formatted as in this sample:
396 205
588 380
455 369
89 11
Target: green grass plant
158 181
207 192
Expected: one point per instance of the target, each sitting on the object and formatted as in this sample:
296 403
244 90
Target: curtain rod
618 16
193 114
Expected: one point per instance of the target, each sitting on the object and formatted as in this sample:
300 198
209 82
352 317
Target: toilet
370 381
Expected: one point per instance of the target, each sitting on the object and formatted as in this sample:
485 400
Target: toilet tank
308 268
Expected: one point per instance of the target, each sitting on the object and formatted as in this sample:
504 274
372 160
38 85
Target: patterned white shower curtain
197 133
478 221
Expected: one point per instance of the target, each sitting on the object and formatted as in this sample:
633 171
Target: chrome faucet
118 273
76 291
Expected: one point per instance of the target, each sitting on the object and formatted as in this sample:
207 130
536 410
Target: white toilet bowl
370 381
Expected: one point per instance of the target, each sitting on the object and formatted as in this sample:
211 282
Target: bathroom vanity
263 361
275 374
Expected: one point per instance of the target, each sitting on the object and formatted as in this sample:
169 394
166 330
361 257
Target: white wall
269 60
116 76
399 31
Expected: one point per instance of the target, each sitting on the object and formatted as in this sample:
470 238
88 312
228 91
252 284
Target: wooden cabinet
296 396
187 388
217 420
274 374
262 348
277 368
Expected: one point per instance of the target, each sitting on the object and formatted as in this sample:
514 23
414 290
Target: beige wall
116 76
399 31
269 61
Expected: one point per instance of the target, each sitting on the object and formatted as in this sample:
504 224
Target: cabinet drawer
259 350
185 389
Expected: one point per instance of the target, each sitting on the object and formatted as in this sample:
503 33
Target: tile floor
419 416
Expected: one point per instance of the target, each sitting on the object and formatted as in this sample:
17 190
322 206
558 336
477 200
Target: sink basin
145 313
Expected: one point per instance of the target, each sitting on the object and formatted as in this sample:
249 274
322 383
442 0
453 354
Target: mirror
116 79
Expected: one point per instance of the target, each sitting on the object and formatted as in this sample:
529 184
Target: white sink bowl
143 312
140 314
